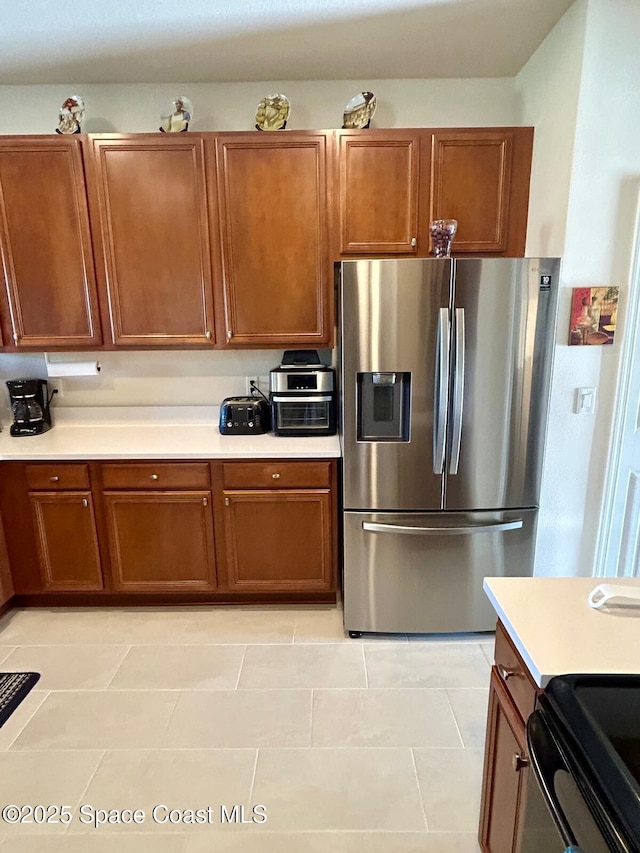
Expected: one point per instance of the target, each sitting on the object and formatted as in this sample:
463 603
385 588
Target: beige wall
136 108
599 203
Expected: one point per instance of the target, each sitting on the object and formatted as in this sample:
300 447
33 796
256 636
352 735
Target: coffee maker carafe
30 406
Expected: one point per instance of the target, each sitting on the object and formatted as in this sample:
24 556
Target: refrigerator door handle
441 394
380 527
458 391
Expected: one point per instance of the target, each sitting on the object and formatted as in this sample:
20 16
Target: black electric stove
584 745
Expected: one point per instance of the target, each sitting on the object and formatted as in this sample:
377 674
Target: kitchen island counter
556 632
150 432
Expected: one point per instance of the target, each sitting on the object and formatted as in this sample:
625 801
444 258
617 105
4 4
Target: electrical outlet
248 380
55 385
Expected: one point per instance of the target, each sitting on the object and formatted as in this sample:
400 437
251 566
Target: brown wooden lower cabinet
67 541
512 696
278 539
254 530
161 541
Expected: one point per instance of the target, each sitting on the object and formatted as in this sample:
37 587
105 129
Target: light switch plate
585 401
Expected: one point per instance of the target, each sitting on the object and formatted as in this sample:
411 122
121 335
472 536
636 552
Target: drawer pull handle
276 476
506 673
54 479
518 762
154 476
85 502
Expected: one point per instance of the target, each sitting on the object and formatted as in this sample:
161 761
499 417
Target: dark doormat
14 686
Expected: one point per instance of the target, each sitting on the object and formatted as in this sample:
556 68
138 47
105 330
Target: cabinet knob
54 479
207 335
505 673
85 502
519 761
15 338
229 334
227 502
205 502
276 476
414 242
154 476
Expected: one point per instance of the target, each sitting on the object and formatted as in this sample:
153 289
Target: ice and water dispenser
383 405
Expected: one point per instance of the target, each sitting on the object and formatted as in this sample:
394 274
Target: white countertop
557 633
150 432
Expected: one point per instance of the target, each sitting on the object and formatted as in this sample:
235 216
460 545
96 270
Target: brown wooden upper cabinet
150 203
392 184
276 279
49 298
378 184
480 177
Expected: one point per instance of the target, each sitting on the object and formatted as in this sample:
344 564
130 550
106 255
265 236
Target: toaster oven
302 394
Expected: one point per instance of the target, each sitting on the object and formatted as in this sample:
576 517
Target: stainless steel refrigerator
445 371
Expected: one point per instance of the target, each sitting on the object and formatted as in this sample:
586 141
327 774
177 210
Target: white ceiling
150 41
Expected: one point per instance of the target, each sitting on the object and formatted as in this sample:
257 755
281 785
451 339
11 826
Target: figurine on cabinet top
178 120
273 112
71 115
359 111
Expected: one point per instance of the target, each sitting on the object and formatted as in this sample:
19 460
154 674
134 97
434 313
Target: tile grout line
415 770
86 787
453 714
118 668
244 654
253 777
168 723
45 695
311 719
366 673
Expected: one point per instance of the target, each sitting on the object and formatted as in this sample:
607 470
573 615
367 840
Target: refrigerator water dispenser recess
383 406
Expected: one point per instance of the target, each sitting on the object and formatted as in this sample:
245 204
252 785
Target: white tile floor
371 745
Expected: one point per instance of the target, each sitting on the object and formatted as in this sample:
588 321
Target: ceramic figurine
359 111
177 120
273 113
71 115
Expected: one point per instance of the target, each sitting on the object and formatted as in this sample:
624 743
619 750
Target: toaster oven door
304 415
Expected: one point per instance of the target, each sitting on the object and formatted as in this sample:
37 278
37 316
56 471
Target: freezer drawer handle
441 395
379 527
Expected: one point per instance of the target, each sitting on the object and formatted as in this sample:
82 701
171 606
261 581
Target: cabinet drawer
277 475
513 674
186 475
57 477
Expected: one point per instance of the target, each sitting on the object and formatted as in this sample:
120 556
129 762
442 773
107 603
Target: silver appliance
445 373
302 395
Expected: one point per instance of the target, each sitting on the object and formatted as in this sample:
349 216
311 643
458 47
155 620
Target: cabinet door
67 541
278 540
277 279
471 182
505 773
6 581
45 243
154 238
161 541
378 192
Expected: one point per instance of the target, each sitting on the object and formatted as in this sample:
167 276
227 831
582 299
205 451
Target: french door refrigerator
445 378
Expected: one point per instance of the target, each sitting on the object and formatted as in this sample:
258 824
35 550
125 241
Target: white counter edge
540 679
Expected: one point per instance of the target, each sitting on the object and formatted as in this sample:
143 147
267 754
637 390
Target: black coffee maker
30 406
